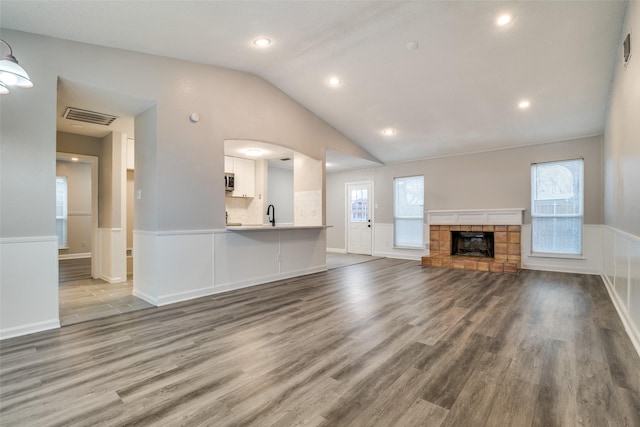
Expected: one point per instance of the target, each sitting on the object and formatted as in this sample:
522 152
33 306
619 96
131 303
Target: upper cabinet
244 171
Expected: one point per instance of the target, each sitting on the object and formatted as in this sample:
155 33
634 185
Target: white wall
622 178
491 180
79 225
280 193
179 164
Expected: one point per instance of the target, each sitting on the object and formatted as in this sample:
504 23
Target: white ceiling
457 92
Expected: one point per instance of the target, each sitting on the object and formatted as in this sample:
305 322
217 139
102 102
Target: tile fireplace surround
504 223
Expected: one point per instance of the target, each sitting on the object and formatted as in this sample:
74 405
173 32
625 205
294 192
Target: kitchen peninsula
250 255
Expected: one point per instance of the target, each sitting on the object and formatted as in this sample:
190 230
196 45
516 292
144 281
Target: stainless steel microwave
229 182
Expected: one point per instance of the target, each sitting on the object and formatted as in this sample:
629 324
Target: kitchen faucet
271 210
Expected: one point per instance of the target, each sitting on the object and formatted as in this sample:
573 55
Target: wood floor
382 343
74 269
90 299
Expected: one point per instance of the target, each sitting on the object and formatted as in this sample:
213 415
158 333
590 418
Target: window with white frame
557 200
408 212
61 211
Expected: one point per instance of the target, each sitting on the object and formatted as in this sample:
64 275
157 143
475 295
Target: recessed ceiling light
524 104
388 132
262 42
412 45
504 19
334 81
74 159
254 152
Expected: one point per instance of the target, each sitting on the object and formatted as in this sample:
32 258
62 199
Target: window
359 205
557 207
61 211
408 212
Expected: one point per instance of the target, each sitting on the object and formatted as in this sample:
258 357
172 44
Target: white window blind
408 212
557 199
61 211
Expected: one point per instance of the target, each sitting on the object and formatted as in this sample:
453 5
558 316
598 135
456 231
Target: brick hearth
506 258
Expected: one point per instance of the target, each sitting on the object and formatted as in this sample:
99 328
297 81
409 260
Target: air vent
89 116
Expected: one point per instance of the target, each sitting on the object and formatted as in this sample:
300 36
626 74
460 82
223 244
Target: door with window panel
359 230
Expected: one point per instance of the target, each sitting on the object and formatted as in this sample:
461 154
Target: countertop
272 228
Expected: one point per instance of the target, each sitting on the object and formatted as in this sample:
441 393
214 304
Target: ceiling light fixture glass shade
389 131
3 89
524 104
12 74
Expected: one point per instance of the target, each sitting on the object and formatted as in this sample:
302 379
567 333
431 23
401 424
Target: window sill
559 256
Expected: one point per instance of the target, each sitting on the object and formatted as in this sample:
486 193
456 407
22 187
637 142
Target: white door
359 215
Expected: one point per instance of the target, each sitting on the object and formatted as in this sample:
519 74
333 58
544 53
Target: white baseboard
337 250
112 280
75 256
185 296
31 328
397 255
212 290
560 268
151 300
268 279
632 332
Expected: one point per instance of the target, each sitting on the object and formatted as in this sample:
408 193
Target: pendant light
12 74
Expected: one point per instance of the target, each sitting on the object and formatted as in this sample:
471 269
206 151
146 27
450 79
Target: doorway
359 217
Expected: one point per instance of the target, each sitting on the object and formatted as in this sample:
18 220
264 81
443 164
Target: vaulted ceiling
442 74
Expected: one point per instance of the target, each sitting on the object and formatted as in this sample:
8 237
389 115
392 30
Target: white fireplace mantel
511 216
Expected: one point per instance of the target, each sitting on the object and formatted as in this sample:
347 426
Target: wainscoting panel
590 263
113 262
173 266
383 243
622 278
29 285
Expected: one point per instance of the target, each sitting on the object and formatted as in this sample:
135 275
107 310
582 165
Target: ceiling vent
87 116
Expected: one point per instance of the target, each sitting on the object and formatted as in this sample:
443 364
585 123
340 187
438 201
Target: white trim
560 268
151 300
31 328
181 232
396 255
613 259
95 233
590 262
337 250
510 216
112 280
629 327
75 256
212 290
256 281
29 239
372 212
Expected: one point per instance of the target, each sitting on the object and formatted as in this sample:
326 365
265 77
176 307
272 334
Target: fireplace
475 239
472 243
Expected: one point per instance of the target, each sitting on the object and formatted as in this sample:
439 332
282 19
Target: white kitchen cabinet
244 171
228 164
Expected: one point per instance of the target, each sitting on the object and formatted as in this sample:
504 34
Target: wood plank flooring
382 343
74 269
90 299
